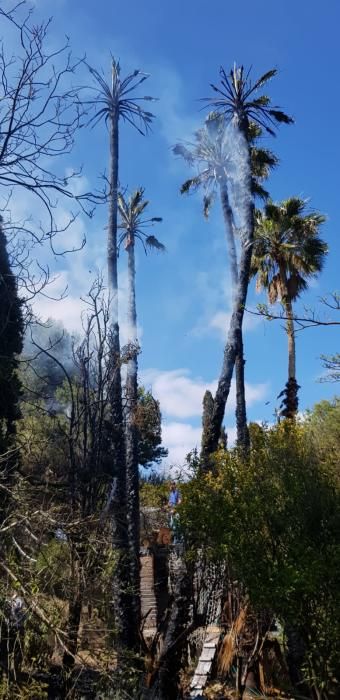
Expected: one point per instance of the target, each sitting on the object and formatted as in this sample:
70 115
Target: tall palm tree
210 153
133 226
237 100
115 102
287 253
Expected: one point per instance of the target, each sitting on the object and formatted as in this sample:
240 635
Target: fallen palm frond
230 641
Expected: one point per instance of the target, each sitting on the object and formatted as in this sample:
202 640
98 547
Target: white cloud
221 319
181 396
182 438
179 439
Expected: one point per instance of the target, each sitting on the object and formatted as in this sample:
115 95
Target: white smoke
239 179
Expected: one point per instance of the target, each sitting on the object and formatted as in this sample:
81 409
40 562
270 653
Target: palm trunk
232 349
291 340
211 436
241 410
290 402
123 617
229 229
166 679
131 437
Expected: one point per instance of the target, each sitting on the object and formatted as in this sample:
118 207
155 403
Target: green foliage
322 425
149 424
154 493
287 249
276 517
53 568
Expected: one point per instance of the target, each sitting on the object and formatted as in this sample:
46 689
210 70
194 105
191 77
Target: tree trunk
291 340
243 439
211 435
232 349
74 609
131 437
241 411
229 229
166 679
121 578
74 613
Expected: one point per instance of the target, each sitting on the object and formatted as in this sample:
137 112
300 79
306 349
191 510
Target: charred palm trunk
131 438
165 681
212 432
241 411
121 578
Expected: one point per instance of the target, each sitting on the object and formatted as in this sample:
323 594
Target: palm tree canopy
237 99
287 244
210 154
117 98
133 225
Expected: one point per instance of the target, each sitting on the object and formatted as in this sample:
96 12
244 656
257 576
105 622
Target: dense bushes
276 517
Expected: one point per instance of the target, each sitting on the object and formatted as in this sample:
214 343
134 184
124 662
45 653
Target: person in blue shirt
174 496
174 501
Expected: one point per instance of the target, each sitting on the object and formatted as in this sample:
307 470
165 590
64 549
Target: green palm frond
287 248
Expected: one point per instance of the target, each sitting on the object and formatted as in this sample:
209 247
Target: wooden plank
208 654
203 667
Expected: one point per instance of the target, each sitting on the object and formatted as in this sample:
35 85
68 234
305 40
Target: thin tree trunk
74 612
291 340
210 435
131 437
289 324
229 229
241 410
121 578
165 683
243 439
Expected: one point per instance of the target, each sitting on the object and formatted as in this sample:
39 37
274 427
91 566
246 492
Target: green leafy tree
287 253
322 424
275 518
236 98
149 425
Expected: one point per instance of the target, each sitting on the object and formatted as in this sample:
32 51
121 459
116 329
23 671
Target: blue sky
183 295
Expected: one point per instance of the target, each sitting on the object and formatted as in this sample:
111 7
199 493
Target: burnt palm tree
210 154
114 103
133 227
238 100
287 253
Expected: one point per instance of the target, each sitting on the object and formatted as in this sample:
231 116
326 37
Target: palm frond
153 243
191 184
115 98
236 99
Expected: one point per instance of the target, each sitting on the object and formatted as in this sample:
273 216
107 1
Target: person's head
173 486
